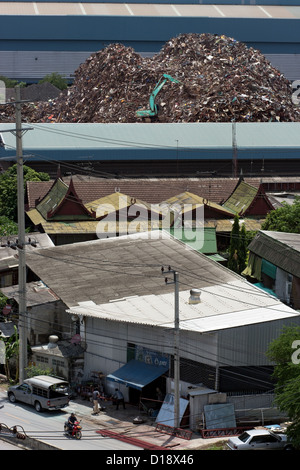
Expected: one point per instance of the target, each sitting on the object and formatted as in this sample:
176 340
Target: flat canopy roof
137 374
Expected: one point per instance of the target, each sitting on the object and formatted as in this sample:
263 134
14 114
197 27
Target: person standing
96 396
119 398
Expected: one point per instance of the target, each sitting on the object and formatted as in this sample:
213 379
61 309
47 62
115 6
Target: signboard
152 357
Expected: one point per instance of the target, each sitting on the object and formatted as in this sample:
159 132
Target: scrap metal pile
220 80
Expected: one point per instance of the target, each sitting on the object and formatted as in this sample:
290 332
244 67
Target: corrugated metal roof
147 9
142 140
113 268
279 248
222 306
42 240
209 239
36 293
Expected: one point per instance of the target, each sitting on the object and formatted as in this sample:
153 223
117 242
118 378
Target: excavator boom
152 111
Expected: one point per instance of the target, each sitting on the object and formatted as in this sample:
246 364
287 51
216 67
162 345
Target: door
24 393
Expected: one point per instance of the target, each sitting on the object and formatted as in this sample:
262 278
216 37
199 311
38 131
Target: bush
55 79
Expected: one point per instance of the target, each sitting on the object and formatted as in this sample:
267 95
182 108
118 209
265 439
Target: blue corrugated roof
139 141
137 374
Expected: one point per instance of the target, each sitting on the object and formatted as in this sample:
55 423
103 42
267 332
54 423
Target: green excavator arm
152 111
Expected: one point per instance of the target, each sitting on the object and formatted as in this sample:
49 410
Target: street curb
28 443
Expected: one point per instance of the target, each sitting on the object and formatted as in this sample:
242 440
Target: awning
137 374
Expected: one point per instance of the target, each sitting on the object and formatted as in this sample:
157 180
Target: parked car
260 439
42 391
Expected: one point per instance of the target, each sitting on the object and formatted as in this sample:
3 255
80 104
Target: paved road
48 428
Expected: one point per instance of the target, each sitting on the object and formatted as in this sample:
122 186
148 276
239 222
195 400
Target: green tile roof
53 198
241 198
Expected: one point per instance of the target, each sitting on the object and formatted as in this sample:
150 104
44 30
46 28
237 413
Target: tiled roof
246 197
55 195
241 198
192 200
151 190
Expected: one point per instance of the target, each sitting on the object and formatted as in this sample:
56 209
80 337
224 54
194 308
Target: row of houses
101 307
67 214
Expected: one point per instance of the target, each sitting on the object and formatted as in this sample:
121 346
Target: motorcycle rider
72 419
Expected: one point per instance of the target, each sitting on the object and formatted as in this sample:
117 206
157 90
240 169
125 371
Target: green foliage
284 219
9 192
3 301
238 247
283 351
7 226
11 351
9 83
55 79
32 371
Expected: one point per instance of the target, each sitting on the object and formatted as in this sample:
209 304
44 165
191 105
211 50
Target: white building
117 293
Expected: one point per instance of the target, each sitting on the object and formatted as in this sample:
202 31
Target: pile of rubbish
218 79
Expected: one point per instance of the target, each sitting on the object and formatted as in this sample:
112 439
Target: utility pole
176 345
234 150
21 242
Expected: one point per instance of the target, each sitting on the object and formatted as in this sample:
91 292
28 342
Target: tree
9 191
238 247
55 79
12 351
7 226
9 83
285 353
284 219
243 251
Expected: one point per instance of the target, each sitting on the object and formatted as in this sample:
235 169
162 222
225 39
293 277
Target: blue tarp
137 374
266 289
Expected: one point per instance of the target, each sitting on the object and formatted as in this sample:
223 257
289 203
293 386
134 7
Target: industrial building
38 38
169 149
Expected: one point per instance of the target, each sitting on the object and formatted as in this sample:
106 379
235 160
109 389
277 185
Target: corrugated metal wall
33 65
247 345
288 64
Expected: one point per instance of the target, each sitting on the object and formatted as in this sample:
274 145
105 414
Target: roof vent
194 296
52 341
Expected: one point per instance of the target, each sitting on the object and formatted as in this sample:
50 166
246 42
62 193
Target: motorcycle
74 431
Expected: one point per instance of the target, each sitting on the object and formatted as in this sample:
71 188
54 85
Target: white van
42 391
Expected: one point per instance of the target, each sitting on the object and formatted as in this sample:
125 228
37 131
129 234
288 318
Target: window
41 392
42 359
25 388
58 363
